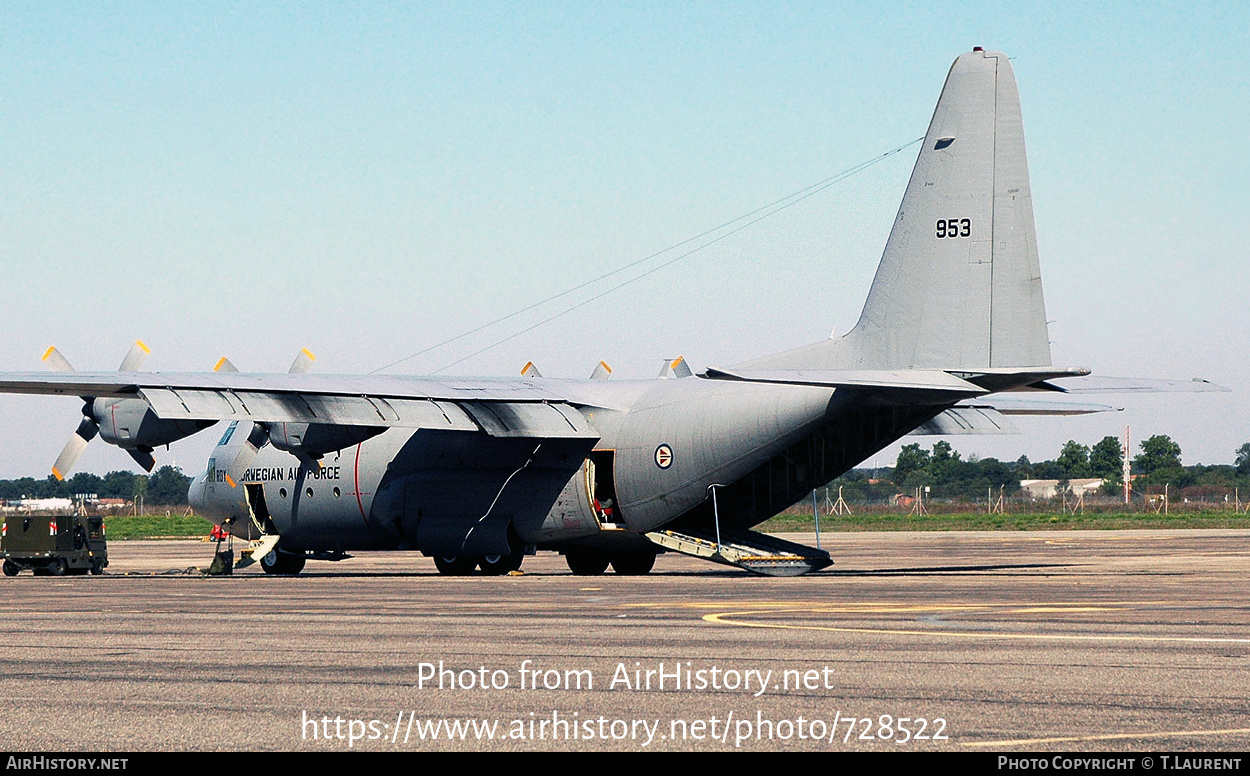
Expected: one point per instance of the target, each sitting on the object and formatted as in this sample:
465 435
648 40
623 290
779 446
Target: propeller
258 437
675 367
90 427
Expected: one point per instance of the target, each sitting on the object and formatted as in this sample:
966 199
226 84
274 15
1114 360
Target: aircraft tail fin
959 283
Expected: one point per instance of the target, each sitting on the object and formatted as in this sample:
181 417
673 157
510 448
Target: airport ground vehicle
54 544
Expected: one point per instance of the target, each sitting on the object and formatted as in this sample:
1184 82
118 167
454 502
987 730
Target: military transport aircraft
479 472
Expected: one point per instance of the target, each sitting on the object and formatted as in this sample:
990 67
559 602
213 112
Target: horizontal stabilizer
1135 385
907 379
967 420
1013 406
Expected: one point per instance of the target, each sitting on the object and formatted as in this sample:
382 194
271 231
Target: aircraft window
225 438
282 492
308 492
337 493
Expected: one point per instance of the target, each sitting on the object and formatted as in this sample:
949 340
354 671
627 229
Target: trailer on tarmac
53 544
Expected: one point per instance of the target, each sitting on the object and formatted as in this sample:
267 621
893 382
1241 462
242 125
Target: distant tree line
948 475
167 486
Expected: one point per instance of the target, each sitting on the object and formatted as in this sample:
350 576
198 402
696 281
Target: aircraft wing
502 407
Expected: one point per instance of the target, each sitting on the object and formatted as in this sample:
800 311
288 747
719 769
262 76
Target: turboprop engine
127 423
132 425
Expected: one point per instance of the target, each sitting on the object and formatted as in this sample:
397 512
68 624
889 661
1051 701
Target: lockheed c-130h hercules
478 472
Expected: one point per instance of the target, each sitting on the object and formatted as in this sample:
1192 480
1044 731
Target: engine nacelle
316 439
132 425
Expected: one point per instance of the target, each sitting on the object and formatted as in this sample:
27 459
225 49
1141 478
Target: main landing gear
592 563
282 563
491 565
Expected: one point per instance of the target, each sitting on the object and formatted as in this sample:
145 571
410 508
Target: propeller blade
256 439
86 431
135 357
602 371
224 365
55 361
303 362
69 456
529 370
143 459
675 367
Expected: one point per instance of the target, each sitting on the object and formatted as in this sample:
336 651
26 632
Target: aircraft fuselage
665 441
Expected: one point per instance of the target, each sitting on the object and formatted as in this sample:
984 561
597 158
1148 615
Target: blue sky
366 180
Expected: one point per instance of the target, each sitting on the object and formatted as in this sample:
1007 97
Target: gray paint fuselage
717 432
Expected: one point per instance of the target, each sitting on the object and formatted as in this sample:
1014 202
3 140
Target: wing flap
518 417
530 419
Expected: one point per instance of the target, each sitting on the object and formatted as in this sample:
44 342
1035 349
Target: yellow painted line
1108 737
884 605
220 361
145 348
308 353
1045 609
723 619
48 352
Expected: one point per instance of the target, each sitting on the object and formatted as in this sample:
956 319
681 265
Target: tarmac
1119 641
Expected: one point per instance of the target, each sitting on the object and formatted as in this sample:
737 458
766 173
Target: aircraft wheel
497 565
456 566
58 567
282 563
11 568
633 563
586 563
294 563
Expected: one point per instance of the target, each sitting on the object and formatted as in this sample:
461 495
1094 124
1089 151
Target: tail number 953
954 227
